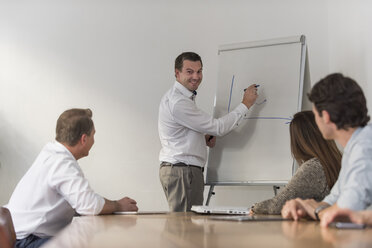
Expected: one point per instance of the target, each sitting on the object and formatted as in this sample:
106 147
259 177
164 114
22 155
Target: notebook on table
251 218
220 210
140 212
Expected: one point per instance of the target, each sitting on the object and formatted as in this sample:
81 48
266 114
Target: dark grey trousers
31 241
183 186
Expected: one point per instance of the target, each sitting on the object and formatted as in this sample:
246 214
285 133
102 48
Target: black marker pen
257 85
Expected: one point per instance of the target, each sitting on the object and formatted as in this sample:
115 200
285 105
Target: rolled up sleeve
69 181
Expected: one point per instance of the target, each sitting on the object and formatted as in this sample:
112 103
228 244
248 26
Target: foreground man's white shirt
46 198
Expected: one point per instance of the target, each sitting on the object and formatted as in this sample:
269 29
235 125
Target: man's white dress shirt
182 126
46 198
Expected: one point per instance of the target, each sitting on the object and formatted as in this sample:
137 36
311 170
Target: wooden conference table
191 230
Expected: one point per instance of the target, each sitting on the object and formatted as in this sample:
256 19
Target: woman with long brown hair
319 160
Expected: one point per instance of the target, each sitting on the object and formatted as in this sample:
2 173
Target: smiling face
191 74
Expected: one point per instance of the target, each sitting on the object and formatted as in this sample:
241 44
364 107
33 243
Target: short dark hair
178 64
343 99
72 124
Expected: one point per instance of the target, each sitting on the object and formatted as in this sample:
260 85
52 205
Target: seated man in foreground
54 188
341 114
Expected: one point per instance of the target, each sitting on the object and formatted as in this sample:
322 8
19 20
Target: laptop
220 210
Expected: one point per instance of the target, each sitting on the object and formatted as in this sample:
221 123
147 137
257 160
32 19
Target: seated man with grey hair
54 188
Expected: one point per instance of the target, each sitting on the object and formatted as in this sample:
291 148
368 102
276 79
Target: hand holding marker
251 96
211 137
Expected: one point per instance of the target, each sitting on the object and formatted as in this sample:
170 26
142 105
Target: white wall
116 57
350 42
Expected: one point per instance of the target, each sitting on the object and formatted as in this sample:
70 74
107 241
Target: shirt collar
184 91
60 145
349 144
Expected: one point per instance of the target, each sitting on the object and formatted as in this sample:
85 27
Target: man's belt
181 165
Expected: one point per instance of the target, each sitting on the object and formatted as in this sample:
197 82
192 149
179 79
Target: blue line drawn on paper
263 101
231 87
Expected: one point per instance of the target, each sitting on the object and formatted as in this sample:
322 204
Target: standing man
54 188
341 114
185 132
